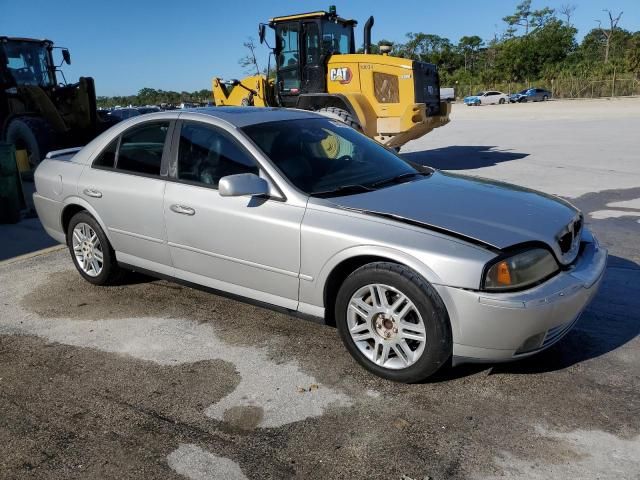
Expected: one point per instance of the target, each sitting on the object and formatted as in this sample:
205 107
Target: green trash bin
10 185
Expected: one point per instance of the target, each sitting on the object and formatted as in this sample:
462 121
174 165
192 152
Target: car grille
569 239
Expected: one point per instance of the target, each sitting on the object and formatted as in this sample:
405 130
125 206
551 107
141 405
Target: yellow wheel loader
393 100
37 112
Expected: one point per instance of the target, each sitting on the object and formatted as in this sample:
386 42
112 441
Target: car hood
471 97
495 214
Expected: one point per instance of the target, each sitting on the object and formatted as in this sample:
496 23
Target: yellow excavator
393 100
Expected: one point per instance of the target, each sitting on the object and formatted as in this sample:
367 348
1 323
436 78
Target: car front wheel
393 322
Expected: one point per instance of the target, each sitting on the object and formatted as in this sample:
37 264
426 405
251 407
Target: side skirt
222 293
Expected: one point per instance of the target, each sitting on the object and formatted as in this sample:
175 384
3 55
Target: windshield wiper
343 189
398 178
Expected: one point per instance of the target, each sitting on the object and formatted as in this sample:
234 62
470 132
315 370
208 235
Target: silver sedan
294 211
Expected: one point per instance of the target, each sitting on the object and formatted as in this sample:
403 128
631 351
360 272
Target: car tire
82 245
392 349
545 98
502 101
32 134
341 115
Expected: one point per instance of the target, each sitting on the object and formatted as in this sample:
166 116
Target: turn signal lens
521 270
504 275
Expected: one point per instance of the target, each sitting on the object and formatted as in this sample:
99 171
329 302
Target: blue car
530 95
473 100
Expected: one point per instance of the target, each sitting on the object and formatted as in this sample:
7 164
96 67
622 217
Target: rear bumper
501 327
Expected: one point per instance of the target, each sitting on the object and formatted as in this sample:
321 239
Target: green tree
595 47
470 46
527 18
632 55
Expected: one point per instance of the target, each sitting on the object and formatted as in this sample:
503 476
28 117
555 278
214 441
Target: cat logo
341 74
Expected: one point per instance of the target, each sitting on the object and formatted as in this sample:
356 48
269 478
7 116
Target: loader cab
303 46
26 65
25 61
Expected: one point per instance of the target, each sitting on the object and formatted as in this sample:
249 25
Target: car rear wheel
91 251
393 322
545 98
502 101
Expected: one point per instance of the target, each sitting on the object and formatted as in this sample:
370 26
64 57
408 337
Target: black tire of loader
33 134
341 115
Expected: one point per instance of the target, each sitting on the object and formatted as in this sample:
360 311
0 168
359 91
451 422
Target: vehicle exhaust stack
367 35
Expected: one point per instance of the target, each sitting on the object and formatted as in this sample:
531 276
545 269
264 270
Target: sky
181 45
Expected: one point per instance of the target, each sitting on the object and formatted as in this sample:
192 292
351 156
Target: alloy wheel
87 249
386 326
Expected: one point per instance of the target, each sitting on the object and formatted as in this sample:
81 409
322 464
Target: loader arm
250 91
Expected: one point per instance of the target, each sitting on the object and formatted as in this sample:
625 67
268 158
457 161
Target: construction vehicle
37 113
393 100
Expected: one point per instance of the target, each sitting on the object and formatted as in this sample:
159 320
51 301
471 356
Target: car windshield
524 91
324 157
479 94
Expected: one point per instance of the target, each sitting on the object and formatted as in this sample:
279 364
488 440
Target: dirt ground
154 380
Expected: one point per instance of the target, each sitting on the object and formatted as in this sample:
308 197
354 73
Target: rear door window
141 148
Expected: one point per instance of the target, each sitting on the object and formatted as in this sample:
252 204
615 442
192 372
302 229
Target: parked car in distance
490 97
530 95
302 213
447 94
149 109
124 113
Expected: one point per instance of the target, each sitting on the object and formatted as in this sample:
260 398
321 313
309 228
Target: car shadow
609 322
462 157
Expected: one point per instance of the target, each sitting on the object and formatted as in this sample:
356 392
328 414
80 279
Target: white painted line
602 214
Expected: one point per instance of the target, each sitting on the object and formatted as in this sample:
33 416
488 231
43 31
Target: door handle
182 209
92 192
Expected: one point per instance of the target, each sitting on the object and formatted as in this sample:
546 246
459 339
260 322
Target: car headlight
519 270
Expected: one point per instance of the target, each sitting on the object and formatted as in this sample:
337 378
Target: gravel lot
154 380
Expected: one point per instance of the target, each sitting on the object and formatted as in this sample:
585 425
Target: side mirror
66 56
243 184
261 32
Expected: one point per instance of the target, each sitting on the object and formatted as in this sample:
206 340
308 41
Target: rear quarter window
107 158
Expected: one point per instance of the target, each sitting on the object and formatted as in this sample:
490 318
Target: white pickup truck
447 94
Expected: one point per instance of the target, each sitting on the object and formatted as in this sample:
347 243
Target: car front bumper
493 327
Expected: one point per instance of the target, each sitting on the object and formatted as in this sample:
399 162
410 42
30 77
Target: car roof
245 116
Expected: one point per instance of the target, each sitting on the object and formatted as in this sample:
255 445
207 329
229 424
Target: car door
247 246
125 186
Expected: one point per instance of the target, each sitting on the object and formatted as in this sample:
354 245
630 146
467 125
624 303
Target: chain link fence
565 87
